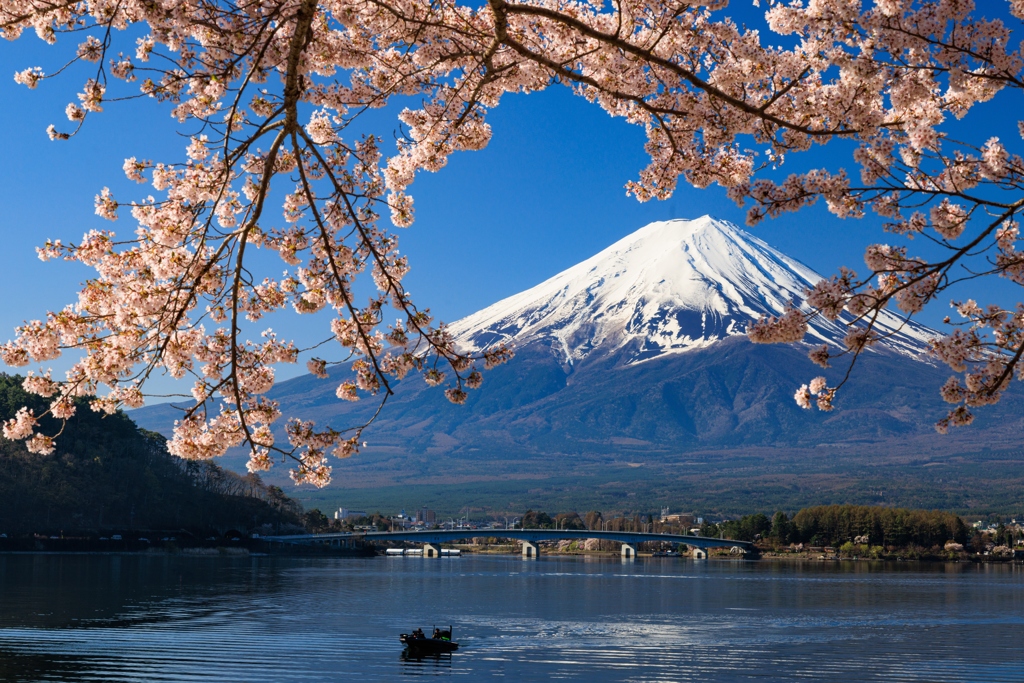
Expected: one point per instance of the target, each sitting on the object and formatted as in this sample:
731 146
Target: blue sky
545 194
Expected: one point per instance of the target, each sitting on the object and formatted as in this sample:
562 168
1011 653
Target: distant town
835 531
425 518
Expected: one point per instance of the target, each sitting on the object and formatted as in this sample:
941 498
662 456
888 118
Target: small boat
440 642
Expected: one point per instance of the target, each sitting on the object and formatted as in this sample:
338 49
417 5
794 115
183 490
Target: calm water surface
134 618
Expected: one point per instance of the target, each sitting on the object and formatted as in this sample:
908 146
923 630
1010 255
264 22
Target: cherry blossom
21 425
277 90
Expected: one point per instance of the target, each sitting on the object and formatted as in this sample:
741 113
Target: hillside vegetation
107 474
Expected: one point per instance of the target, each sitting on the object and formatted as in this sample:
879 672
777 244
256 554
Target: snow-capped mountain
632 374
668 288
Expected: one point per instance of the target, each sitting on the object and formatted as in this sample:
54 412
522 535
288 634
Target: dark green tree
108 474
315 521
537 520
782 529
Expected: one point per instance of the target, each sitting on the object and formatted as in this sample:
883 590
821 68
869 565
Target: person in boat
418 633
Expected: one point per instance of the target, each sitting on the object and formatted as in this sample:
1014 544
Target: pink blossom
829 297
455 395
824 400
259 461
716 103
347 448
433 377
62 408
789 327
55 134
803 397
859 337
29 77
820 355
91 96
949 219
40 444
320 128
91 49
317 367
20 426
133 170
347 392
994 157
106 206
41 385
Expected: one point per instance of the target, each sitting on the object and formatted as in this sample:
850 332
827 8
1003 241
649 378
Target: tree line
833 525
823 525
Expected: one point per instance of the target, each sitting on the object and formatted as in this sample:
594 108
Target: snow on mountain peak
670 287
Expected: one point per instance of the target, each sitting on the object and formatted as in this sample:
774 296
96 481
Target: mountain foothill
109 476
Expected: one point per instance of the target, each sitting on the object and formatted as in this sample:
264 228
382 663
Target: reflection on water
426 665
136 618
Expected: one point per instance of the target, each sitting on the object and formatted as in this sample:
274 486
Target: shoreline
244 547
235 552
766 555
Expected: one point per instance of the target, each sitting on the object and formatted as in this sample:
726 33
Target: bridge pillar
530 551
628 552
431 551
700 553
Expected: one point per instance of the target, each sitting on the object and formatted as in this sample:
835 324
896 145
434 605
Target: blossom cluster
175 294
817 387
277 88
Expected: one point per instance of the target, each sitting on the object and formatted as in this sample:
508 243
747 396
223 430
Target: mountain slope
637 359
732 395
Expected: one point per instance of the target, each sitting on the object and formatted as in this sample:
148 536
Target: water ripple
129 619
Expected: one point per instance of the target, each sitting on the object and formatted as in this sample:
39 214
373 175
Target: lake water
172 618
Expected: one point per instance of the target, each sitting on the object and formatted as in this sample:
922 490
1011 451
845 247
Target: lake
179 618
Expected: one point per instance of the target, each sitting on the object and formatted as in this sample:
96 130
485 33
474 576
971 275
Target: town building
343 513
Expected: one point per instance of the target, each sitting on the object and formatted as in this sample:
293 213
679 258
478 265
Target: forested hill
107 474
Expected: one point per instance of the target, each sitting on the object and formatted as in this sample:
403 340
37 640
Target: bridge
433 538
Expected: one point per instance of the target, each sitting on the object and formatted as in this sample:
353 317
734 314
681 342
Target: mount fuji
668 288
634 365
